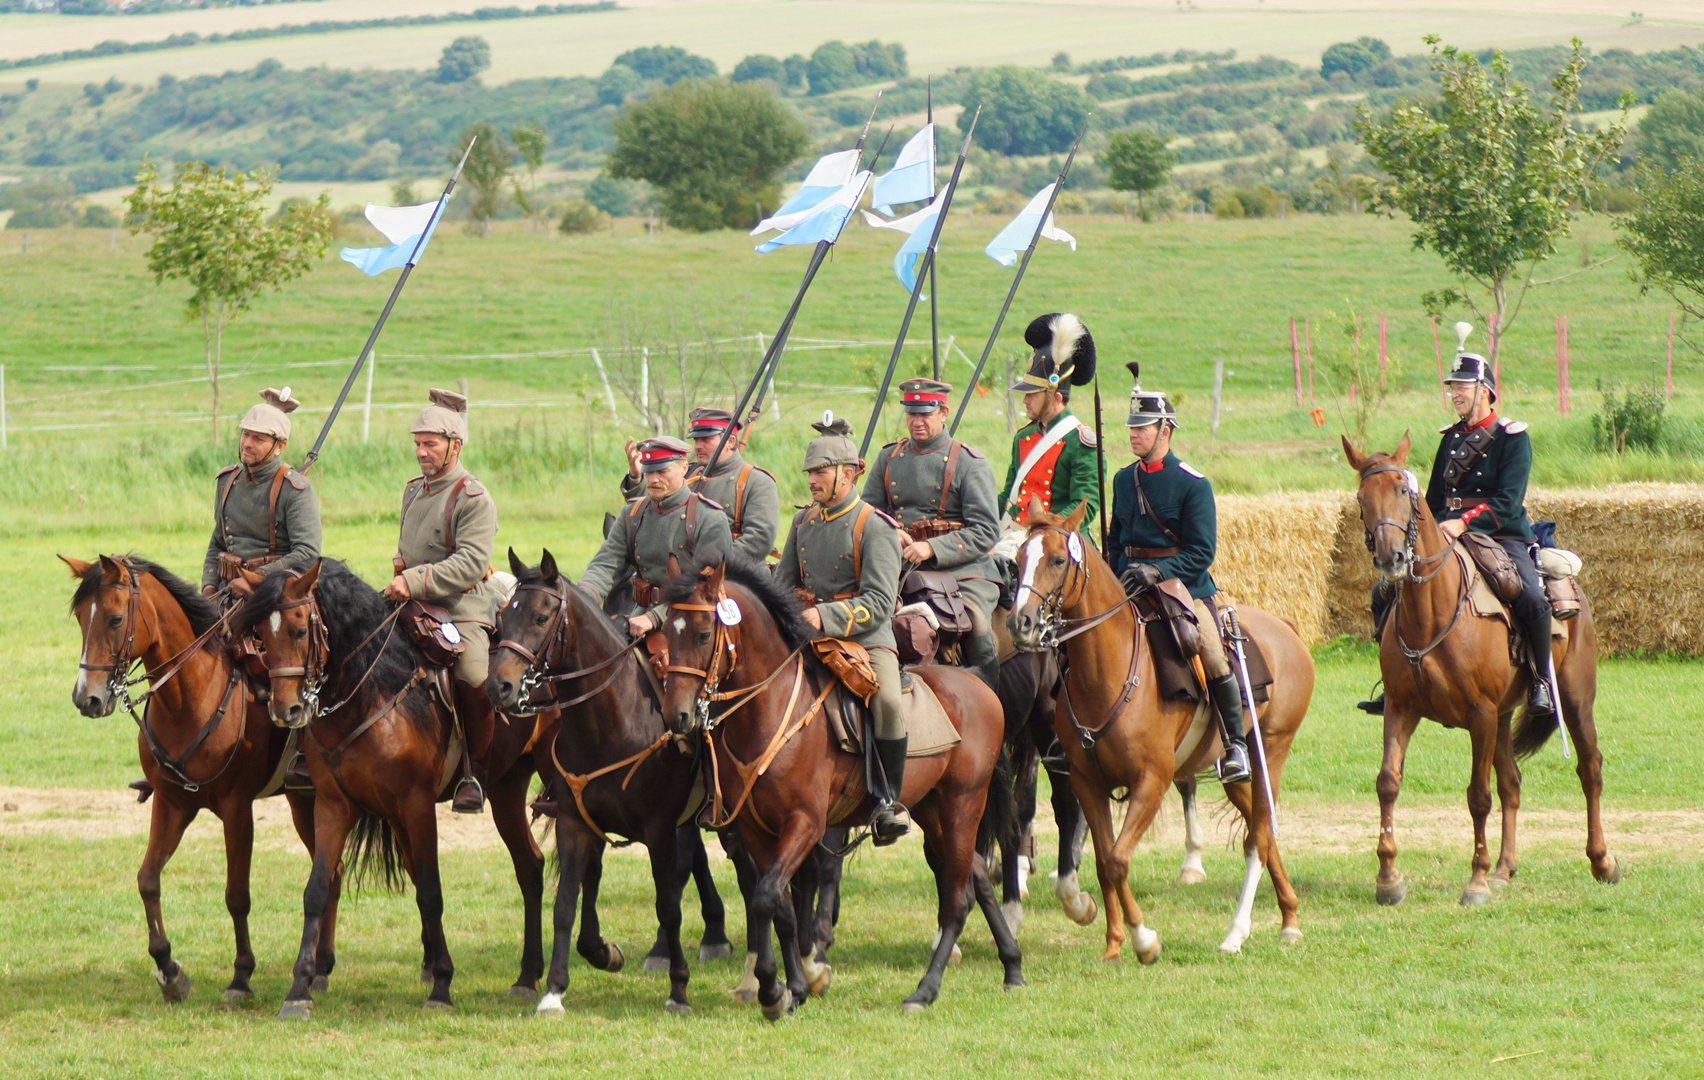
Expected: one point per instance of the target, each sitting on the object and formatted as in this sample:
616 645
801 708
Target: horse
1145 743
203 738
1462 677
381 756
609 763
738 679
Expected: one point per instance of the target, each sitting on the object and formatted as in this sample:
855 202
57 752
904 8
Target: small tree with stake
530 143
1665 235
210 230
1137 161
487 172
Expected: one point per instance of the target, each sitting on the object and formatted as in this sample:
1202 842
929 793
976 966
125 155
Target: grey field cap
446 416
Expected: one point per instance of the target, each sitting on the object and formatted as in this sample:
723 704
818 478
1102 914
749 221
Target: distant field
938 34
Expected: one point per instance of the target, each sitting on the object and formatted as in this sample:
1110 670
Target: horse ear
1402 448
1036 510
714 576
298 587
78 566
546 566
253 578
516 566
111 571
674 566
1075 520
1355 457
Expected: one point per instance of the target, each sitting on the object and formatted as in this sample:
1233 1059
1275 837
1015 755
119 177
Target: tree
1487 174
210 230
613 197
529 141
832 67
463 58
404 193
1665 235
1353 58
711 149
1137 161
760 66
487 172
797 69
1673 130
667 64
616 83
1023 111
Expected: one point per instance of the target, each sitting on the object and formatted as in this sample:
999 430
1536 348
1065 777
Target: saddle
927 728
1174 668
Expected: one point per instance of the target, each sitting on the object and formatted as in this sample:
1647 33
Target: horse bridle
722 643
1055 628
1410 529
312 673
555 639
118 681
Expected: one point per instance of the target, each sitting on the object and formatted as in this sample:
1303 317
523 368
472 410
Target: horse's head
108 609
702 633
535 630
1389 497
1051 564
285 616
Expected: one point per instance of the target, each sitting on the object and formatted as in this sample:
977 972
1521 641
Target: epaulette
887 517
973 451
1191 470
226 471
296 479
1087 435
473 487
711 503
890 445
1513 427
763 470
1445 430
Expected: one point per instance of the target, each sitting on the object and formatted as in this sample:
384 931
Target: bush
98 217
615 84
580 217
667 64
1227 206
1023 111
1260 201
1353 57
463 58
1633 421
39 216
614 197
759 66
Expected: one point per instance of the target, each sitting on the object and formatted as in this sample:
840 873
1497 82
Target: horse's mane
779 601
201 612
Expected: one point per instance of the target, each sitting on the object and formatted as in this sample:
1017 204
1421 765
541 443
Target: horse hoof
1014 982
1472 897
1497 882
1391 895
1191 876
1147 945
745 995
1290 935
174 989
613 959
525 993
821 979
553 1012
1614 875
782 1006
434 1005
707 953
656 963
1082 913
296 1010
911 1008
677 1008
234 997
319 984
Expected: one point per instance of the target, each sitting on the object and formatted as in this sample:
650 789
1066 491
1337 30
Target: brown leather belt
1462 504
929 529
1151 553
229 564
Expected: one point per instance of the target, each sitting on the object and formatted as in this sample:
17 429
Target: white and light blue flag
912 178
920 225
402 226
831 173
824 220
1016 236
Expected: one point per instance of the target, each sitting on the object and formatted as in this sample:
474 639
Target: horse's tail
999 822
371 855
1532 732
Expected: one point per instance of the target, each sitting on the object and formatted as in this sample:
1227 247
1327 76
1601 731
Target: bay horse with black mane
1457 671
382 753
203 738
743 681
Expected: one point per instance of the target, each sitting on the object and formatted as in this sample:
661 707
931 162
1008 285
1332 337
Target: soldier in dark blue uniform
1479 480
1164 525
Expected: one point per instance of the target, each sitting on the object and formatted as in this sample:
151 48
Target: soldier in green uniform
845 554
265 516
1164 525
670 519
746 492
443 556
1054 456
942 492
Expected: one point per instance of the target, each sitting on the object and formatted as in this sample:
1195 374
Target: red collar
1151 466
1487 422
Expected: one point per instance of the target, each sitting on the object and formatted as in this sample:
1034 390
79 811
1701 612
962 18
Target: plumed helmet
1063 354
832 446
1471 367
272 415
1148 406
446 416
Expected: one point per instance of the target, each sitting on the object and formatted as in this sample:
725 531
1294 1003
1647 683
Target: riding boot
888 778
1541 696
1374 705
1228 704
982 656
479 721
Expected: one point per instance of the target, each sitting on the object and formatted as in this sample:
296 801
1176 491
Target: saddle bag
433 631
850 663
1175 604
914 638
939 590
1495 564
1556 568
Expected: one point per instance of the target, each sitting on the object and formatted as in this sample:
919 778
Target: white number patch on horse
1413 481
727 612
1074 547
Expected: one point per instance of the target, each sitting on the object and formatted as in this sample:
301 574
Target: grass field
938 34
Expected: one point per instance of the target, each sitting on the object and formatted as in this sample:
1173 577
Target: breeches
1212 646
475 660
887 707
1530 606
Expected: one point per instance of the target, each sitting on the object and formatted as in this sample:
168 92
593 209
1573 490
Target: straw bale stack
1275 553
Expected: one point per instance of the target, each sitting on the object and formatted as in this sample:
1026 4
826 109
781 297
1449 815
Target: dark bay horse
1456 671
382 754
1147 742
204 739
747 688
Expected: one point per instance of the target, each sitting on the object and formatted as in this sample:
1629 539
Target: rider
745 491
1164 525
265 516
942 492
443 556
671 519
1054 456
845 554
1479 480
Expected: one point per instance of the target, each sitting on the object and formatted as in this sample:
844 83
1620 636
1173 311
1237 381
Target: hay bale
1349 592
1275 553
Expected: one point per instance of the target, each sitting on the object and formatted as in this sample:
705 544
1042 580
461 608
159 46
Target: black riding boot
1541 696
887 778
479 722
1227 702
982 656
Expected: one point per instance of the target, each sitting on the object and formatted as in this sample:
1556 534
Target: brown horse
747 687
203 738
1457 671
1068 593
381 755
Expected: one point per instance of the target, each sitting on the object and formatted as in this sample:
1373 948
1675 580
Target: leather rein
1411 537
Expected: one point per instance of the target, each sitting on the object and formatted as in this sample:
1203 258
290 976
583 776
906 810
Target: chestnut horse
204 740
1457 672
1068 593
379 755
780 776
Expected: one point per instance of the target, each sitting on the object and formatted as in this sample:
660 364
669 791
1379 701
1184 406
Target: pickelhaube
832 446
1064 354
659 453
272 416
923 395
705 423
446 416
1148 406
1471 367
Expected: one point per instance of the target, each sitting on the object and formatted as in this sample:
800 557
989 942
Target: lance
1247 689
934 312
917 285
396 290
999 320
1100 460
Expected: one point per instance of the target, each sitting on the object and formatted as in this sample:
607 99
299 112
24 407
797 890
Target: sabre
396 290
1100 461
1556 699
1247 688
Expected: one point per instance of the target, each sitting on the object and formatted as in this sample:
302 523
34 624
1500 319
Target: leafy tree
876 61
710 148
210 231
797 69
832 67
1353 57
463 58
615 84
579 216
667 64
1023 111
614 197
404 193
1137 161
1062 62
1665 235
487 172
1673 130
1488 174
96 216
1340 188
760 66
37 204
529 141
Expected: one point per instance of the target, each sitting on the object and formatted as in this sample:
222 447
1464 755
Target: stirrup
1232 765
886 826
466 802
1374 706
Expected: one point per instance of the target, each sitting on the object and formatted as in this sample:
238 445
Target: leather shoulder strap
450 515
947 477
864 513
409 494
272 509
230 482
1148 508
739 497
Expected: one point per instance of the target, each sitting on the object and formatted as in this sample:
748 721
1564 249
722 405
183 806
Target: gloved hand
1139 576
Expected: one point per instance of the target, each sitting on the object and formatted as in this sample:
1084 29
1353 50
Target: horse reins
1411 537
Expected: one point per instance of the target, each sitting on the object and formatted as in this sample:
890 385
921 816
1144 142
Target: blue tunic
1183 499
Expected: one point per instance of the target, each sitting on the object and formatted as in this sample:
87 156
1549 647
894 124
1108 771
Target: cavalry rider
746 492
942 492
443 557
1165 525
265 516
1054 456
1479 481
844 553
670 519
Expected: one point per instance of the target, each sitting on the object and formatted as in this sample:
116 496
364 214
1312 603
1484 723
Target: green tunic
1064 477
906 481
647 533
857 606
754 517
242 501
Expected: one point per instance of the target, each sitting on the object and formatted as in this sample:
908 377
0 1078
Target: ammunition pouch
644 593
850 663
657 651
433 632
930 528
230 567
1495 564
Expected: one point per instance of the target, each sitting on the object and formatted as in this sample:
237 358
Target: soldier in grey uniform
671 519
265 516
845 554
746 492
443 556
943 494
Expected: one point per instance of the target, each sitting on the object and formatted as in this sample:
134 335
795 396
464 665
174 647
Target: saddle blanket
1484 604
927 727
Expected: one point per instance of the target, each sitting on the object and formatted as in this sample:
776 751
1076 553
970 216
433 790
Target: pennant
403 226
824 220
919 225
912 178
831 173
1016 236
